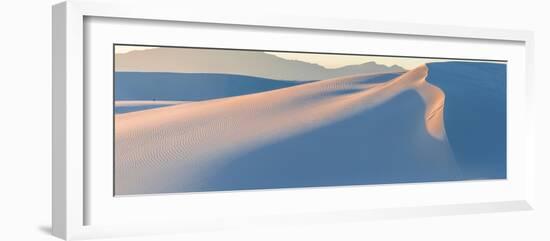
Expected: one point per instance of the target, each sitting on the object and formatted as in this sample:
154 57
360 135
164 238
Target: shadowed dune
190 86
361 129
475 115
124 106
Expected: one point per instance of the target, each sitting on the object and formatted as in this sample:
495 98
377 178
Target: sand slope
382 130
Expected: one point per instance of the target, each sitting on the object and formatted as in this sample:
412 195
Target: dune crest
174 148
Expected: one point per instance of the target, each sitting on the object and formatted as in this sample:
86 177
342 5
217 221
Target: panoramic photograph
192 119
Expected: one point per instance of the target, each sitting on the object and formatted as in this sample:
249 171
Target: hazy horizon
271 65
326 60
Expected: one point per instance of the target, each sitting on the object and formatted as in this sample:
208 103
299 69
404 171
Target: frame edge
59 120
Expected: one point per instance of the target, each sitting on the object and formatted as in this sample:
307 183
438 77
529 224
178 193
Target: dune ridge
169 149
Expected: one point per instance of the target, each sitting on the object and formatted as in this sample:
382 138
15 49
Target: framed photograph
177 121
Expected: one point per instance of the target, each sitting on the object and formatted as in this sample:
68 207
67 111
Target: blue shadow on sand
475 115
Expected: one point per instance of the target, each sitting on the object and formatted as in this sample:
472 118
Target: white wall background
25 119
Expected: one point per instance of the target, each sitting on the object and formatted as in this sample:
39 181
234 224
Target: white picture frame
73 192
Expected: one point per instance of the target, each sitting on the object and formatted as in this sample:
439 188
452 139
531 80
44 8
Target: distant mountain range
251 63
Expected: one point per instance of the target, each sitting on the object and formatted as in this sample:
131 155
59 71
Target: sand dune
191 86
188 147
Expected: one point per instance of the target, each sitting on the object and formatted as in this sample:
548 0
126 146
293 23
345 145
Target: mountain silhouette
251 63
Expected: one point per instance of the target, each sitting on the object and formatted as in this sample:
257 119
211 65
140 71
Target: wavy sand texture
186 147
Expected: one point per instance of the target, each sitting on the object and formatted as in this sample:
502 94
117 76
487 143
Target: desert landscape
217 130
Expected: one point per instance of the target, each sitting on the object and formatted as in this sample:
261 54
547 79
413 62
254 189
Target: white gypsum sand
175 148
